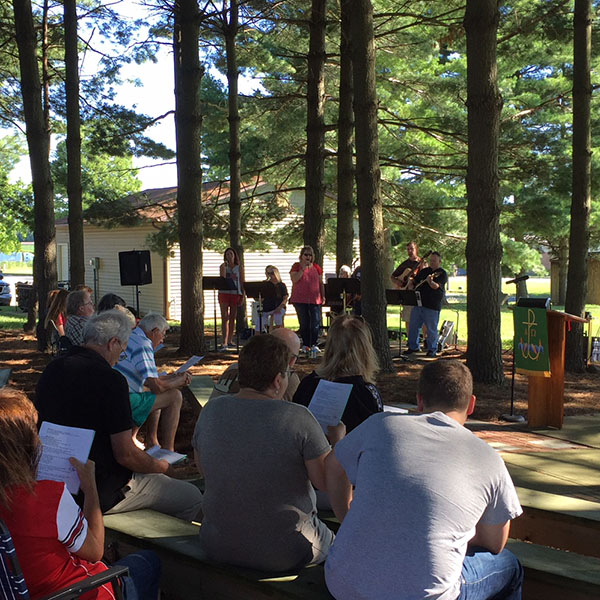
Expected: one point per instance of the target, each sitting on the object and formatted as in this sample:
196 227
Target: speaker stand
137 299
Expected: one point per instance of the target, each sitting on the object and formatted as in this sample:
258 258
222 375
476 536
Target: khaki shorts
406 310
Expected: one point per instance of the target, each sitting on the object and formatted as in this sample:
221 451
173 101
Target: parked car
5 295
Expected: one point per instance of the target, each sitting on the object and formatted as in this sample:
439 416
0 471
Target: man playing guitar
429 283
404 273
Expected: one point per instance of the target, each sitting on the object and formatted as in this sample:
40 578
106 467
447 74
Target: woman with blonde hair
56 542
274 306
349 358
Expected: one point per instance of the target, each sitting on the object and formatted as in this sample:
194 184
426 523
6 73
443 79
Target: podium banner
531 352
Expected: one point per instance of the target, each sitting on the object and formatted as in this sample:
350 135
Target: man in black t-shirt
430 283
81 389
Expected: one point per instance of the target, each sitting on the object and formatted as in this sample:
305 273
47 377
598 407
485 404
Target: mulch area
18 351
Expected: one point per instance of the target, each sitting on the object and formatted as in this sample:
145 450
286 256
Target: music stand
338 287
214 284
259 290
402 298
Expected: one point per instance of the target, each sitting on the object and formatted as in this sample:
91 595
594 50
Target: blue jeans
491 576
420 315
309 317
144 575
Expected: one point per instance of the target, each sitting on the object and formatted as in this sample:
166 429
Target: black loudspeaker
534 303
134 267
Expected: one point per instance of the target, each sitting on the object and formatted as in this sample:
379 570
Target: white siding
255 271
164 293
106 245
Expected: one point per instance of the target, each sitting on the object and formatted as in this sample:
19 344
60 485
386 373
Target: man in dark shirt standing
430 284
81 389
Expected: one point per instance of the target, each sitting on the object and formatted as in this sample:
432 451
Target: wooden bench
558 521
552 574
187 573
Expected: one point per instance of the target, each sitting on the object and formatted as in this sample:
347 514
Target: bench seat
552 574
187 571
558 521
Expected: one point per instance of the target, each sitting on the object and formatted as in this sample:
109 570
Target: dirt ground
18 351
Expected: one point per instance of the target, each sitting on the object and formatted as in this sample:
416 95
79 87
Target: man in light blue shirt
152 396
432 503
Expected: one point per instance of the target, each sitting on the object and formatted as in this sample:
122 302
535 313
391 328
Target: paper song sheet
59 443
329 402
161 454
190 363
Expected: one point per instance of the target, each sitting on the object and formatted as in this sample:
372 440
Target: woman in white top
231 298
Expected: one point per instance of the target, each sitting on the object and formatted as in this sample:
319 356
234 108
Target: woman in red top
57 310
307 296
57 543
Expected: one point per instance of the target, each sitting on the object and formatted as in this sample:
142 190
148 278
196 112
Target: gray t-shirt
423 483
259 505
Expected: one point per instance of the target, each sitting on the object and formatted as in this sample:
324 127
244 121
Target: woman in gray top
260 458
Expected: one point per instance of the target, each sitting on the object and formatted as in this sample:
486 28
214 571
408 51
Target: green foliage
106 180
16 199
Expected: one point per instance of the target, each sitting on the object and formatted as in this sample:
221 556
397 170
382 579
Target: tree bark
345 167
235 153
314 224
484 249
579 236
188 123
368 176
38 142
76 255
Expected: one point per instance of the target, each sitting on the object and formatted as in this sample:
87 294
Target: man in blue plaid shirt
152 396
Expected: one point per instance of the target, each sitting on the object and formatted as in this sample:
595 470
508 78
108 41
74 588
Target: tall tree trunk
368 176
579 236
314 224
188 123
563 266
345 169
77 263
38 142
484 249
235 153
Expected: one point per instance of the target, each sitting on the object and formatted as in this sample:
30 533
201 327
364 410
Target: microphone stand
511 417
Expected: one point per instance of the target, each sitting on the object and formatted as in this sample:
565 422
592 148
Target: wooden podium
546 394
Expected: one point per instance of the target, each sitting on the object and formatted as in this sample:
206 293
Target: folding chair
14 587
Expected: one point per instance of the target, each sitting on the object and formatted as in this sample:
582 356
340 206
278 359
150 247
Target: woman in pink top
307 295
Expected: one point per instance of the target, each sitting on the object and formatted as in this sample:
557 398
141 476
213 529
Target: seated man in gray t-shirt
260 457
432 505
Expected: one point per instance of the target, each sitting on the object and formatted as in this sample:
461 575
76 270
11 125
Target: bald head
291 340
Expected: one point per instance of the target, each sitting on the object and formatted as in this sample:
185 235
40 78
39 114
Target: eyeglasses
307 254
269 273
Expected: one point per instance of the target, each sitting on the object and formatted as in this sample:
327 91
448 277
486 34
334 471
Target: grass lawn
11 317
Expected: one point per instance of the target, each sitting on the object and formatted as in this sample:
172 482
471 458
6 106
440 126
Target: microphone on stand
517 279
